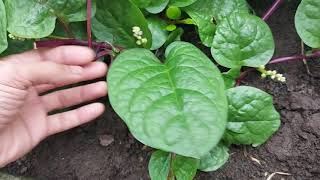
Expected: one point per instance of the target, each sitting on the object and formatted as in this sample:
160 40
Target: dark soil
294 149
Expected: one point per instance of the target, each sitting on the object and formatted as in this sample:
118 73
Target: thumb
47 72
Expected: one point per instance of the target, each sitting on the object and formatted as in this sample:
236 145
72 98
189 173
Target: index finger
68 55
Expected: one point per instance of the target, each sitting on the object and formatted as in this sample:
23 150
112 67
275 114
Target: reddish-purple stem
271 10
89 14
64 42
243 75
316 54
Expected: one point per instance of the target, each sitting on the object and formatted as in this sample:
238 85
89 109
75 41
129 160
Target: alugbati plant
169 93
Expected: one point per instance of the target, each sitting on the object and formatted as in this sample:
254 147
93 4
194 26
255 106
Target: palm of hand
24 119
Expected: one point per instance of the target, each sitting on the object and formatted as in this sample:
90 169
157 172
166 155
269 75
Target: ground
294 149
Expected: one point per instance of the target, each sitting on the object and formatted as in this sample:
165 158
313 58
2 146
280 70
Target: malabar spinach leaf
242 40
114 21
215 159
184 168
36 19
307 21
177 106
157 6
181 3
158 30
159 165
252 118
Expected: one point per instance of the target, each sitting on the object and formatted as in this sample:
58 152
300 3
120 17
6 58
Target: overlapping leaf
252 118
36 19
242 40
114 21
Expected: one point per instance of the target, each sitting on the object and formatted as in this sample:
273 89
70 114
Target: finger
69 55
53 73
92 71
68 120
74 96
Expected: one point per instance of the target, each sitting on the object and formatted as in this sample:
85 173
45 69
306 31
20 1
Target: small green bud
173 12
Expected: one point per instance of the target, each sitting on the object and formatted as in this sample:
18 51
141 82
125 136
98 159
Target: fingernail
76 69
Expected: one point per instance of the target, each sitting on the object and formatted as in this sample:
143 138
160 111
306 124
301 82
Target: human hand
24 119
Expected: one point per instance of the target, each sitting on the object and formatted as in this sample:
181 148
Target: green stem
171 174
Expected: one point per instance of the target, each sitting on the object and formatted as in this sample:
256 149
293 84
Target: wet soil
294 149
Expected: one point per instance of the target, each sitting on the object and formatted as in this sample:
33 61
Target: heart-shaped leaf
177 106
3 28
307 21
252 118
242 40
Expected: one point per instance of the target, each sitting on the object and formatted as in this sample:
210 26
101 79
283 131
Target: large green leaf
252 118
184 168
224 8
114 21
181 3
215 159
242 40
3 28
307 21
159 165
158 30
156 6
36 19
177 106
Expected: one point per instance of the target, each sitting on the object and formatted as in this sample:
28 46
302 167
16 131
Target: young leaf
203 19
215 159
184 168
159 165
3 28
179 106
230 77
181 3
114 21
242 40
36 19
307 21
252 117
174 36
158 30
157 6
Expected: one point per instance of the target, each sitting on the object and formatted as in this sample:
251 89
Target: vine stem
66 27
89 14
315 54
272 9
